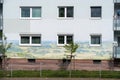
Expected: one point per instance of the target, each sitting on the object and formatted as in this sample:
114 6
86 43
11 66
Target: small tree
4 46
71 48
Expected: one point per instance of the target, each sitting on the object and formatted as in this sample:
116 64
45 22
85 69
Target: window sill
65 18
29 45
95 18
30 18
95 45
61 45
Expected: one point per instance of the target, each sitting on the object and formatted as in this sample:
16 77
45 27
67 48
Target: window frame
65 39
65 12
100 12
30 39
90 43
31 9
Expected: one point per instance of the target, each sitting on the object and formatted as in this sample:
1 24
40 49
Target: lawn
60 74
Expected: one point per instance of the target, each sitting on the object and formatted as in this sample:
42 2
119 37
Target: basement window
96 61
31 60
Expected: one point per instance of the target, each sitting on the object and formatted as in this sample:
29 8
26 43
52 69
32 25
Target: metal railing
117 52
116 24
116 1
1 1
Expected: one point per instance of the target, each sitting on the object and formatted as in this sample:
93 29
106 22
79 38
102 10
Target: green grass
61 73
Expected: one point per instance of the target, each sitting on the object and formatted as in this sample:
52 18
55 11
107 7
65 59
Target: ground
55 79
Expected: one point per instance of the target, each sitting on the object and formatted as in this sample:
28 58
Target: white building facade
39 29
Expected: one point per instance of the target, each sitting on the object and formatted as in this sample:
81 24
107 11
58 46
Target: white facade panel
82 25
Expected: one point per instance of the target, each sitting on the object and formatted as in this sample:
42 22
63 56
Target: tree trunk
4 62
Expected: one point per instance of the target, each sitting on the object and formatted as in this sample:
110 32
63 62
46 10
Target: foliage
4 46
71 48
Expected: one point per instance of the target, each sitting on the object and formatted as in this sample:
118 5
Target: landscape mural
50 50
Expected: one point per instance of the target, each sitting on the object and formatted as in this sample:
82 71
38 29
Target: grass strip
60 74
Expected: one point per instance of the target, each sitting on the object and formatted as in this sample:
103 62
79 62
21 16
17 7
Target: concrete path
55 79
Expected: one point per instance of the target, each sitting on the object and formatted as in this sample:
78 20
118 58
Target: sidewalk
55 79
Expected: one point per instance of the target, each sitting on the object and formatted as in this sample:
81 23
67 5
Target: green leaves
71 48
4 46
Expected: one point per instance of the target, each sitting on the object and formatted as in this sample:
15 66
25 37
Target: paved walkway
55 79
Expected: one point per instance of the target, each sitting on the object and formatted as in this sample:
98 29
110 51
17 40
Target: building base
58 64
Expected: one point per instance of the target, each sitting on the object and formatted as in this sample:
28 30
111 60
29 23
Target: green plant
71 48
4 46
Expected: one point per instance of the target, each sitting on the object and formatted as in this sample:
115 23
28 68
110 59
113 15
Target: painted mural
50 50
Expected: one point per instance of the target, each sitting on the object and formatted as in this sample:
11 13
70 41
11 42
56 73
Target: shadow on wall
64 63
116 62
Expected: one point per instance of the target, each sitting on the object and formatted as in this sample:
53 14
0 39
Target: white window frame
30 12
65 7
30 41
65 39
96 44
96 18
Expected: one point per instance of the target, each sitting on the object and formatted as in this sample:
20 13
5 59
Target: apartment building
38 29
1 27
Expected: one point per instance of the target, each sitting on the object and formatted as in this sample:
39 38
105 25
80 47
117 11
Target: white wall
49 26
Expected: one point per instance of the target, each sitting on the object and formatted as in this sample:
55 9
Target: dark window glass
61 12
36 12
61 39
95 40
69 11
96 61
36 40
25 12
31 60
95 11
69 39
25 40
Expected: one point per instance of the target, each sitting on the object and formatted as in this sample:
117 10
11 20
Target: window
25 39
65 39
30 12
69 39
95 39
31 60
61 39
96 61
65 12
96 12
25 12
36 39
30 39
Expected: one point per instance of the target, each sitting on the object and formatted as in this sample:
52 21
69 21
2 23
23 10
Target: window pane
25 12
61 12
95 11
69 11
95 39
69 39
25 40
36 40
1 35
36 12
60 39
